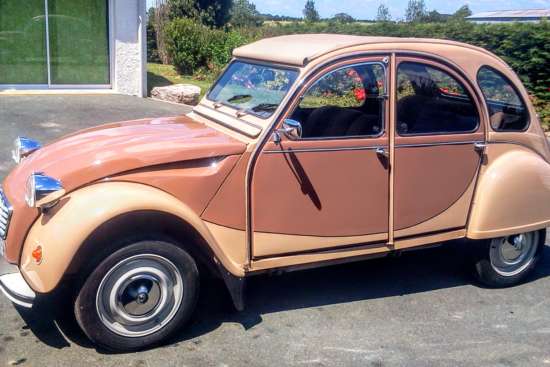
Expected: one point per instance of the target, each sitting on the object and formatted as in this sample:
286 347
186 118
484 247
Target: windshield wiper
265 107
238 97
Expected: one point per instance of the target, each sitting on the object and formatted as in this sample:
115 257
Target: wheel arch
157 225
512 193
68 239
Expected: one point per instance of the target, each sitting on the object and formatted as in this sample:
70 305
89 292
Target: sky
366 9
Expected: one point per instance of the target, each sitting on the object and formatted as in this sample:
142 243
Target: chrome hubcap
140 295
511 255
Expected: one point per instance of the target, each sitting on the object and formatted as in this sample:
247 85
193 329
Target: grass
159 75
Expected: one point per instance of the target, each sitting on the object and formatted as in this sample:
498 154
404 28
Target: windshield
253 88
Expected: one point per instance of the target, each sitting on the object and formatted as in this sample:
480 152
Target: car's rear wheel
507 261
138 296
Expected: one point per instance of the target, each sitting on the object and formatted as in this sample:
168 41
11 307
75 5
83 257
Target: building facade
92 45
503 16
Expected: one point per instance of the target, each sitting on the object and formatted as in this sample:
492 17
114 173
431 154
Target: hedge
524 46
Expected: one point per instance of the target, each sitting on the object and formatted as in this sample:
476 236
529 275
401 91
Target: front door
438 135
329 188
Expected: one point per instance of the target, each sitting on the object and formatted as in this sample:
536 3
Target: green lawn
159 75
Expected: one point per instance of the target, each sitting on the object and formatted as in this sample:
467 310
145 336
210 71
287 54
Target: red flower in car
360 94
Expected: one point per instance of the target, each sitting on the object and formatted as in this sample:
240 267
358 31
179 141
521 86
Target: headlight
23 147
43 191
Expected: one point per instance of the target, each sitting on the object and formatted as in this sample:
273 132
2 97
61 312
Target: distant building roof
528 14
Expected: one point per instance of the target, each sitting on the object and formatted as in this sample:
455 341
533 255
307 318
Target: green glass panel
22 42
79 51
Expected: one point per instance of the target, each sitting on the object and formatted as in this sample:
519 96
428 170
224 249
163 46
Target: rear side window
431 101
506 108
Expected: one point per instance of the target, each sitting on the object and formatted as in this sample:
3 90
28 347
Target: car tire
138 296
507 261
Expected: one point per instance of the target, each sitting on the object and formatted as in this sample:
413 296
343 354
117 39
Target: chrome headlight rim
30 191
23 147
43 191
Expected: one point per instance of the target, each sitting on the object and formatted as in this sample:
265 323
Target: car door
330 187
438 141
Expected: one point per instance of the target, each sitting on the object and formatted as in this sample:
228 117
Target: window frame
383 98
463 82
516 90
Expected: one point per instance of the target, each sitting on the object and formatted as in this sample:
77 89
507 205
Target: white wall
128 46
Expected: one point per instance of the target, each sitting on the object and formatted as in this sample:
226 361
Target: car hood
111 149
108 150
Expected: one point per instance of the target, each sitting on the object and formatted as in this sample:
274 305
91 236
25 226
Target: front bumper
14 286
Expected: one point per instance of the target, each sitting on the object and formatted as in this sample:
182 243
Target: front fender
61 231
513 193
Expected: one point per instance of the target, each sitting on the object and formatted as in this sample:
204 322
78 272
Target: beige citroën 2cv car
308 150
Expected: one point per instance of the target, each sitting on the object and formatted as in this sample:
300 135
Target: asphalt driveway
419 309
48 117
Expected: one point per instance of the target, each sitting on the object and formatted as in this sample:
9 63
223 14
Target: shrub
185 43
193 46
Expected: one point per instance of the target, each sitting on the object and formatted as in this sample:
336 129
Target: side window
506 109
430 101
344 102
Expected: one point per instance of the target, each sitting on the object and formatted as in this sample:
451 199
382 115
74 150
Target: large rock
178 93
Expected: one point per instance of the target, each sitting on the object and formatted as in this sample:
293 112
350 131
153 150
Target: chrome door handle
382 153
480 147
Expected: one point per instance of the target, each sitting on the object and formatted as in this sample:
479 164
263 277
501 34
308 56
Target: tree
244 14
310 13
152 47
416 10
434 17
159 19
343 18
463 12
213 13
383 13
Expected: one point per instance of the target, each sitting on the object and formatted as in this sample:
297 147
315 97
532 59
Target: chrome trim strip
438 143
6 211
370 147
322 149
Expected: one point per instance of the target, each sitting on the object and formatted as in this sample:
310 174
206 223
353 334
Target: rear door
437 142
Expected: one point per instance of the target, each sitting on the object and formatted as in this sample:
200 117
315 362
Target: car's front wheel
507 261
138 296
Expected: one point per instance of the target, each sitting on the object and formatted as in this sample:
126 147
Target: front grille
5 215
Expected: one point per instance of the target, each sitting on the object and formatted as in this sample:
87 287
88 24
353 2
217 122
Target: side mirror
292 129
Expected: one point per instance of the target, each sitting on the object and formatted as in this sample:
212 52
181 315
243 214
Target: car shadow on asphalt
414 272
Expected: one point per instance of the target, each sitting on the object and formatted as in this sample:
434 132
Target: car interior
506 109
429 108
424 106
327 121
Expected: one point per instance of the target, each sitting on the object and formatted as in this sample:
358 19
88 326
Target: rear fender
513 193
